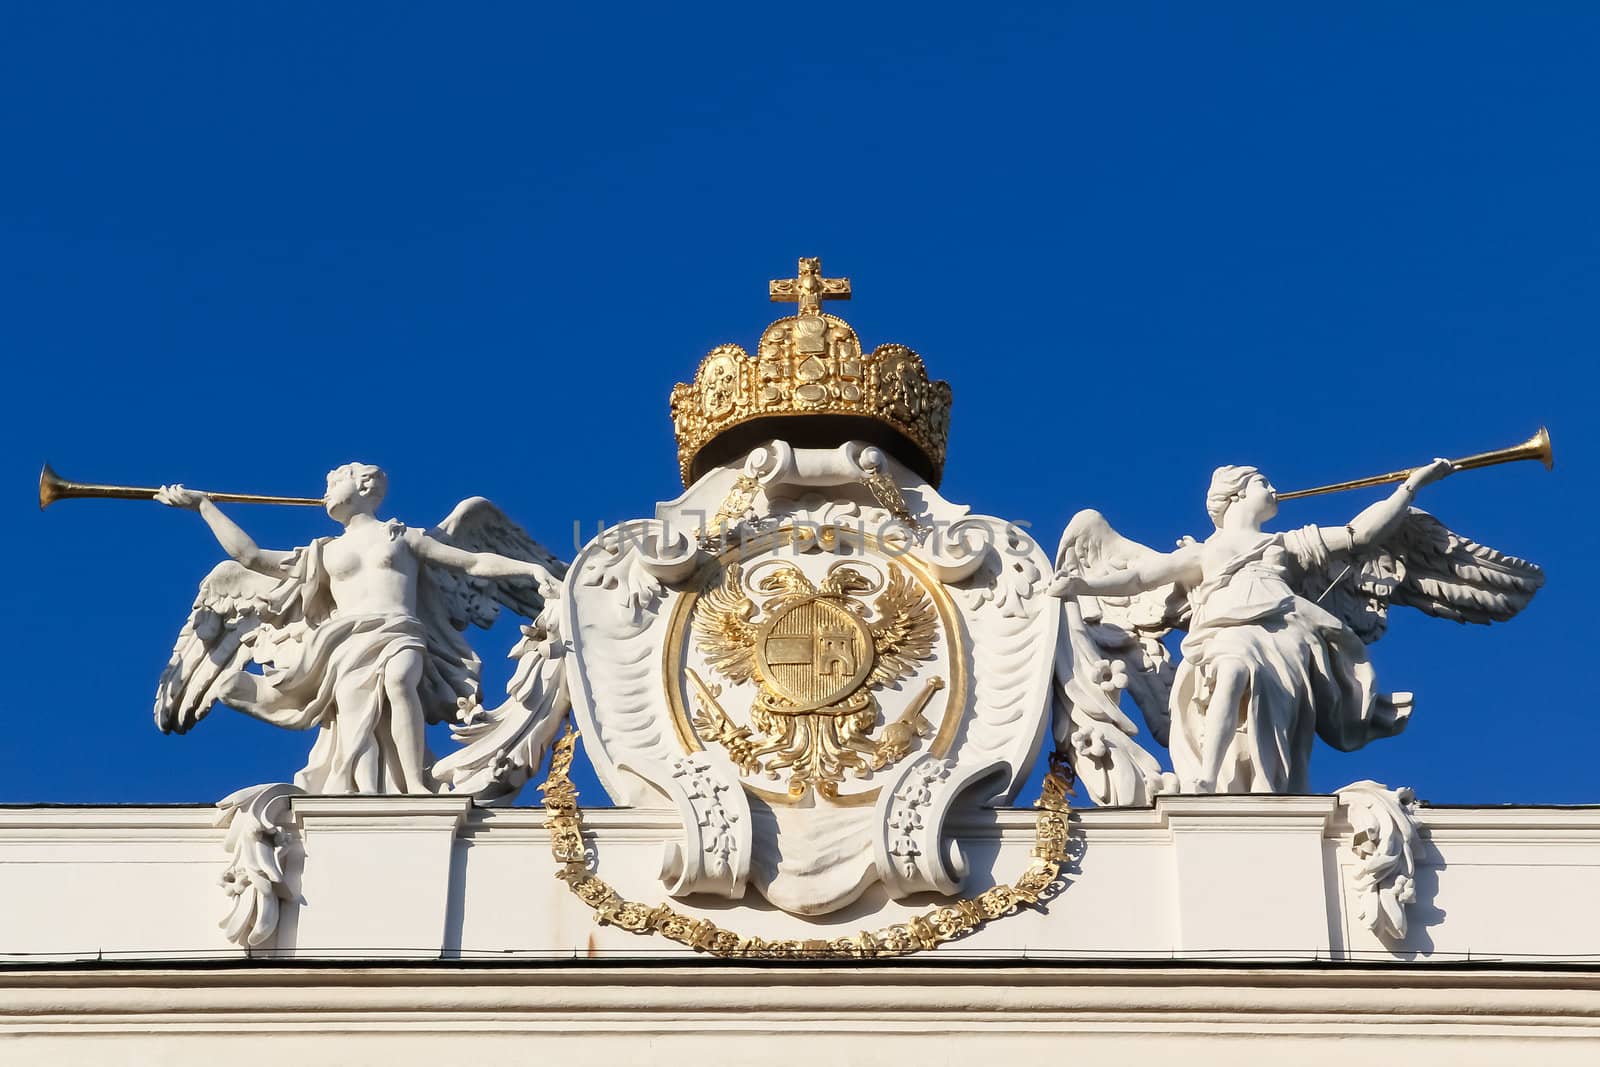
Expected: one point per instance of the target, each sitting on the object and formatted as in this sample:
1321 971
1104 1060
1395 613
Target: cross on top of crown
808 288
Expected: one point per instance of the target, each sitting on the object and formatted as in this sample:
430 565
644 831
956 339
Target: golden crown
810 385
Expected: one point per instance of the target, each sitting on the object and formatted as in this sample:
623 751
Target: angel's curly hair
1227 485
375 477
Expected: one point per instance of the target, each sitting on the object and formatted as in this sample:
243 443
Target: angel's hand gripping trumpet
1275 631
359 636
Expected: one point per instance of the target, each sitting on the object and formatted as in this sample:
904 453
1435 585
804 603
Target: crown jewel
810 384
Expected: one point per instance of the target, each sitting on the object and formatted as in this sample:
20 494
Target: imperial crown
810 385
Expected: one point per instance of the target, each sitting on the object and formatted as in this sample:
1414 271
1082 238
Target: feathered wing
449 601
1107 646
234 623
477 525
1425 565
906 629
502 746
723 630
1127 631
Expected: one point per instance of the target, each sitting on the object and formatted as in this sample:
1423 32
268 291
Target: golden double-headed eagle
816 655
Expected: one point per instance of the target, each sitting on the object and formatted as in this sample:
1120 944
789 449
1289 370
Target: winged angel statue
359 637
1276 628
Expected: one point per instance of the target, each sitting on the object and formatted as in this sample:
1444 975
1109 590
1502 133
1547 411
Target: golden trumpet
53 487
1536 447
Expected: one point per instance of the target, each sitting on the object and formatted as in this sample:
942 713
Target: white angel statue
358 636
1277 628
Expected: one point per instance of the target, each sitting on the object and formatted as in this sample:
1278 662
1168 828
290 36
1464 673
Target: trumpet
1536 447
53 487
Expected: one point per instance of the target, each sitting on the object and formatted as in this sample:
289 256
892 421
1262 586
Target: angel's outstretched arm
1378 522
1156 569
234 541
477 564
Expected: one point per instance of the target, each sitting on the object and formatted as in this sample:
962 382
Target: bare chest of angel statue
1276 628
357 637
373 568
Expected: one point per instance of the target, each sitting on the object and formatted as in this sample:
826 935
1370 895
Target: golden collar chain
932 928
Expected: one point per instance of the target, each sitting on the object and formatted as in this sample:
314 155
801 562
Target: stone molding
717 1014
1156 883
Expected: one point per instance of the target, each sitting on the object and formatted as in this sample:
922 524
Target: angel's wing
504 746
1126 631
905 631
449 601
1108 646
1090 542
1424 565
233 623
476 525
723 630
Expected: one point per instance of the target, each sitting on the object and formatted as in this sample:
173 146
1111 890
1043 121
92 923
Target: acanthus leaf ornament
254 880
1385 842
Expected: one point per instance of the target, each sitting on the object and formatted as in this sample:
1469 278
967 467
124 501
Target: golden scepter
53 487
1536 447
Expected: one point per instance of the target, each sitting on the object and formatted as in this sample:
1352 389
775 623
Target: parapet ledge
379 813
1246 812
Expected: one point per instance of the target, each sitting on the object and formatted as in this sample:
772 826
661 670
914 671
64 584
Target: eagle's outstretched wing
233 624
905 630
723 630
1425 565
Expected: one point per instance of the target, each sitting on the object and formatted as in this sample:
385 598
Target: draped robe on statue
333 678
1308 673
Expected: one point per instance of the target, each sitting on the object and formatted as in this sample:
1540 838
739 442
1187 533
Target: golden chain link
934 927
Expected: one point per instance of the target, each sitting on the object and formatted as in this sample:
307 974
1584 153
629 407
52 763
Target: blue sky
478 244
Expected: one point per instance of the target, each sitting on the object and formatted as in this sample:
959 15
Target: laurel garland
932 928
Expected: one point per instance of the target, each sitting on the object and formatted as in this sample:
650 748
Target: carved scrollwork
254 878
1384 845
713 856
905 816
669 554
668 677
956 551
990 562
719 838
637 561
776 466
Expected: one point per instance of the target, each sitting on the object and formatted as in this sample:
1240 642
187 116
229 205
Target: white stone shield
815 687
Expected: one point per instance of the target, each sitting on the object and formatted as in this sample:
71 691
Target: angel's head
354 489
1243 492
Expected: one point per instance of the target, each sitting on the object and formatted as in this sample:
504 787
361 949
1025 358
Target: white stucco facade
1202 923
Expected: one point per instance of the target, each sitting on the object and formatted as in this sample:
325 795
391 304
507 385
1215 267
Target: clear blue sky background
478 243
